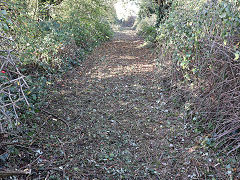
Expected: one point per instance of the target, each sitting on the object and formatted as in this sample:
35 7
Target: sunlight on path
123 120
107 72
125 58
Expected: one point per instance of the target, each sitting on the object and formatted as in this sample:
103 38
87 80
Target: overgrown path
122 121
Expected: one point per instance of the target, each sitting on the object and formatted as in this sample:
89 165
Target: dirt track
123 122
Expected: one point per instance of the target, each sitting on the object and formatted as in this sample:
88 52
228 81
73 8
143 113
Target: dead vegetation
221 97
12 84
125 122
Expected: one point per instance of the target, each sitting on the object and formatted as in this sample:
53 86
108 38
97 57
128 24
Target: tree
163 6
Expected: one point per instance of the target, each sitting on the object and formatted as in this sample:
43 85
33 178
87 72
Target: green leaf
5 27
236 56
4 12
34 96
9 21
76 169
225 42
111 155
194 70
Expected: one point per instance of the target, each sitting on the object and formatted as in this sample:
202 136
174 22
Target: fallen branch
13 173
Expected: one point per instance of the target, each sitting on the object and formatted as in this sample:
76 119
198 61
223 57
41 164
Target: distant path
122 117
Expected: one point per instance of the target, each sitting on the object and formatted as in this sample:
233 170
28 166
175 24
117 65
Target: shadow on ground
122 123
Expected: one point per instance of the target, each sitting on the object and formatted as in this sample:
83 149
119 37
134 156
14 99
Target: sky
126 9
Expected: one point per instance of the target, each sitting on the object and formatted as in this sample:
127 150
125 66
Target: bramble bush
202 40
12 82
43 40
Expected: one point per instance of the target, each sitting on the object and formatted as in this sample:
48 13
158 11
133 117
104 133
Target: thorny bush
202 40
12 82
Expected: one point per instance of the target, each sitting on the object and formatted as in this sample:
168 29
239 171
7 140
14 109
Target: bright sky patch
126 9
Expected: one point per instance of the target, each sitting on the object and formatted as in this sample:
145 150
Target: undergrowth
202 41
48 39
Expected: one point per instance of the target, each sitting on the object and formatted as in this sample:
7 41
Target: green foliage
41 42
51 37
191 23
145 28
90 27
202 40
5 21
151 14
147 18
147 9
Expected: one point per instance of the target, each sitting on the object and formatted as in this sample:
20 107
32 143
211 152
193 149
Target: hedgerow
40 39
202 41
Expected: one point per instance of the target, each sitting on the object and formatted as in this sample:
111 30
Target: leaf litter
121 123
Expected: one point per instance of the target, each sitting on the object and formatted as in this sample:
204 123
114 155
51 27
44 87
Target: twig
30 164
1 128
47 177
197 172
62 145
57 118
8 63
8 143
13 173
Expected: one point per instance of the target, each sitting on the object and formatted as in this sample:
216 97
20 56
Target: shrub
46 42
12 82
202 39
146 27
